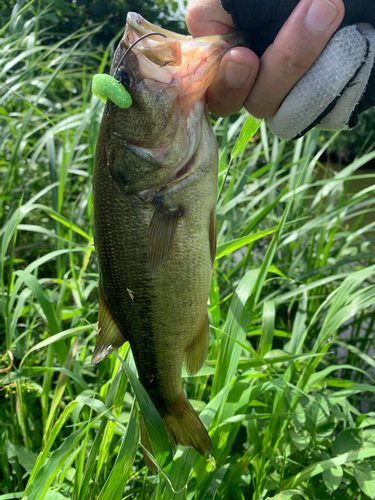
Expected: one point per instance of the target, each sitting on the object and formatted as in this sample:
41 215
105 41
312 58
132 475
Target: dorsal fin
110 337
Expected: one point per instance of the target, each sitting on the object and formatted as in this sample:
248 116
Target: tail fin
183 426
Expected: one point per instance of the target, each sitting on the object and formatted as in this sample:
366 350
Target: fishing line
135 43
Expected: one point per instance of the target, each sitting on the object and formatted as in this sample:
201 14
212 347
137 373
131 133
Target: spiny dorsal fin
160 233
212 235
196 352
110 337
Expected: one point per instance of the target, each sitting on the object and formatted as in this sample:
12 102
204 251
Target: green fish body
154 198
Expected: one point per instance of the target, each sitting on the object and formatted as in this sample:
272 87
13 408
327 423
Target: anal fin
110 337
196 352
160 233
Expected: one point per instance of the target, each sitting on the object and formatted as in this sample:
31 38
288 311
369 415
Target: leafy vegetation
287 391
66 16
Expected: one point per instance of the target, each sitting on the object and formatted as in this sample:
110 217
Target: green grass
287 389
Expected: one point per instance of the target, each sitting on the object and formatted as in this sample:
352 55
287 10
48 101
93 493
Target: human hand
260 85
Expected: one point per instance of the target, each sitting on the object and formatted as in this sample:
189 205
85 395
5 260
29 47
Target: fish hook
135 43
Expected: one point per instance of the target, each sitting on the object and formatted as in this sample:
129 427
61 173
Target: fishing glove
340 84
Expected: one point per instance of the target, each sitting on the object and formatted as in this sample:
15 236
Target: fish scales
171 325
154 198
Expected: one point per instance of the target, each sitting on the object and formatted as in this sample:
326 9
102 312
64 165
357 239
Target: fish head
167 75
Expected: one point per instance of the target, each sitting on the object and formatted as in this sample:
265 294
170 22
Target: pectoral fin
160 233
110 337
196 352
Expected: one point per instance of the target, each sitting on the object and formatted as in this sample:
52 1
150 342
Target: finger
236 76
296 47
207 17
239 66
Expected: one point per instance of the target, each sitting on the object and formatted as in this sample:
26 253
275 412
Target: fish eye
122 76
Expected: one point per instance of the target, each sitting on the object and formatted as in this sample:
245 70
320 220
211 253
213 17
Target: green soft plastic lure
112 87
106 86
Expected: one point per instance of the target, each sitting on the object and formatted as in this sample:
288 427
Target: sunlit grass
287 389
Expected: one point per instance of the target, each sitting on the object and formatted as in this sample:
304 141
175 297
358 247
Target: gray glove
327 96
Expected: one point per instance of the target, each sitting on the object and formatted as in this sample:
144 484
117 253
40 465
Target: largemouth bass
154 198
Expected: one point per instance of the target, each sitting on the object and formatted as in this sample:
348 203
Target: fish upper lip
141 26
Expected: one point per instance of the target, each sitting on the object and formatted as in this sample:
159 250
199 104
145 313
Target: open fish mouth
187 63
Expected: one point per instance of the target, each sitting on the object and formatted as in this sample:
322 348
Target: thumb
207 17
